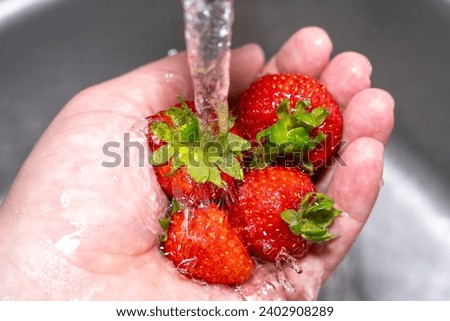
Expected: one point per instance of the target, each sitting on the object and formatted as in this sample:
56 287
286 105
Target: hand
73 228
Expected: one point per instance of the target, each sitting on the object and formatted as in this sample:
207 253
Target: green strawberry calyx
292 133
204 157
164 222
312 219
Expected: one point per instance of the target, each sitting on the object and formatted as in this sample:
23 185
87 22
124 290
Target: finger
354 187
369 113
307 51
246 63
347 74
356 182
157 85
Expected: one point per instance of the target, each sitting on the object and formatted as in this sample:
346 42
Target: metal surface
49 50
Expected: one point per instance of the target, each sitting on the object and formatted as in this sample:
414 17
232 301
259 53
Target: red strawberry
180 157
309 119
278 210
202 245
183 187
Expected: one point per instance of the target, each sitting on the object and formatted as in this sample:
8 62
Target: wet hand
74 226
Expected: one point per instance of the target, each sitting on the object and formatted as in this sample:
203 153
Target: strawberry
273 210
202 245
190 167
279 211
187 191
294 115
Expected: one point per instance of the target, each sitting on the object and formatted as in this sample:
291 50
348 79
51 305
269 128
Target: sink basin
52 49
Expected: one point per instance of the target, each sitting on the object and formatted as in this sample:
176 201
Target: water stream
208 39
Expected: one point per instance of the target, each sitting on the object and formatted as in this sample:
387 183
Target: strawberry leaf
174 206
262 134
176 165
278 133
319 138
231 121
284 110
320 114
203 156
299 137
184 105
311 119
303 105
178 116
308 167
214 176
164 223
162 130
311 221
315 233
292 217
189 132
320 210
161 155
291 134
231 166
198 172
236 143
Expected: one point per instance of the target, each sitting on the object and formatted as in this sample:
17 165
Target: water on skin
208 39
282 257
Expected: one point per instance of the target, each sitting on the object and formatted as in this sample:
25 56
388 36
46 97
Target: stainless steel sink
51 49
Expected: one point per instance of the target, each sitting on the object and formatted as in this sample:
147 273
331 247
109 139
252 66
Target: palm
91 228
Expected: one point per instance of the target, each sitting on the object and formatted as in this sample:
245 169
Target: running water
208 39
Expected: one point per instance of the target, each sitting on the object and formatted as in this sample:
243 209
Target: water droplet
282 279
186 265
223 32
287 285
168 76
259 289
172 52
266 246
65 200
266 288
293 263
68 244
206 13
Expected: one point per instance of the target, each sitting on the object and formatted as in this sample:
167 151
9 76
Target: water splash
270 280
293 263
208 39
187 265
172 52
